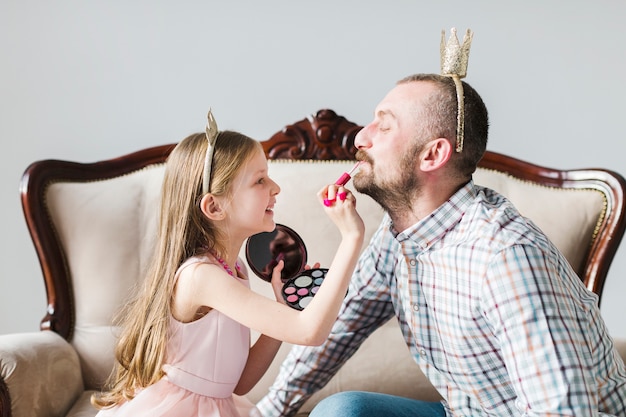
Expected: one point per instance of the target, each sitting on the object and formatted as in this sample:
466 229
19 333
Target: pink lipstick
345 177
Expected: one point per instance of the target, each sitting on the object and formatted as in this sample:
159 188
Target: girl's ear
211 207
435 154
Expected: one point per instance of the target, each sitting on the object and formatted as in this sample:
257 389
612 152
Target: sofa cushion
109 227
42 373
572 217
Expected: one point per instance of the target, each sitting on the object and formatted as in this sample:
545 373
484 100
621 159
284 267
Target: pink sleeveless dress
205 359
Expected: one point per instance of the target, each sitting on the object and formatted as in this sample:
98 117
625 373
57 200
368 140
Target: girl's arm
260 358
264 350
311 326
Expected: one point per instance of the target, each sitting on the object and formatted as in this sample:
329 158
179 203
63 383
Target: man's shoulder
493 217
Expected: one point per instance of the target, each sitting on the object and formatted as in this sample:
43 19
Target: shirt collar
434 226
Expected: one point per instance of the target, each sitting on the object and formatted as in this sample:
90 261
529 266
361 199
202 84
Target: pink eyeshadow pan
299 291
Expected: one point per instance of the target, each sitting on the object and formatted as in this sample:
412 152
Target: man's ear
435 154
211 207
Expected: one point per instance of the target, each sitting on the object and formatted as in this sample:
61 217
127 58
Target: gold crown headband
211 137
454 57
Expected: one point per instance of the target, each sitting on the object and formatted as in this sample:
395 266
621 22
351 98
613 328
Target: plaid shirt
490 309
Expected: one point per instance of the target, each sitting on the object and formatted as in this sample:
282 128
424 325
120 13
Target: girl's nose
275 188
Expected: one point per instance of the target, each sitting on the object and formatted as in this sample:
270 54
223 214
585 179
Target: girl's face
254 193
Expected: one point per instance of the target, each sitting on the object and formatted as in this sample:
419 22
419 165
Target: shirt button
423 353
412 262
416 307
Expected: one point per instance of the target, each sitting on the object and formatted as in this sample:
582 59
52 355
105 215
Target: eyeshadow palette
299 290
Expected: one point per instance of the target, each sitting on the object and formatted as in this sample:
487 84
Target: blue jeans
370 404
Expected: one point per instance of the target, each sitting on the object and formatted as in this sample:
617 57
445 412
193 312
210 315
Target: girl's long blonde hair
183 232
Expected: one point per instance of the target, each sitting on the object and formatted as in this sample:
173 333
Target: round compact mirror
264 250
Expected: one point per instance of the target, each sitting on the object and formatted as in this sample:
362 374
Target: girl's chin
270 225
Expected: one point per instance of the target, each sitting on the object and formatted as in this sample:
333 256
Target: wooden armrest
39 375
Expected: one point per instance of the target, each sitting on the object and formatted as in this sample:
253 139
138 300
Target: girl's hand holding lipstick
341 205
343 180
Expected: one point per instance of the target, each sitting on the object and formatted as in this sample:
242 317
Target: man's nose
362 139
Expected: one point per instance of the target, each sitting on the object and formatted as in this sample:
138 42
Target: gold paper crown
454 58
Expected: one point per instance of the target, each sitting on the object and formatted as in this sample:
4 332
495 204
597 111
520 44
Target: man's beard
394 195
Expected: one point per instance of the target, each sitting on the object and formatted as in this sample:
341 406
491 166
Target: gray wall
90 80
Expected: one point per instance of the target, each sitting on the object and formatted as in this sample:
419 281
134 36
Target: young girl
185 343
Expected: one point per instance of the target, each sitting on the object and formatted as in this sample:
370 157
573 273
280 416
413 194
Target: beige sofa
53 372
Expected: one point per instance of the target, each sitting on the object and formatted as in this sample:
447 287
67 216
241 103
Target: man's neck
421 206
